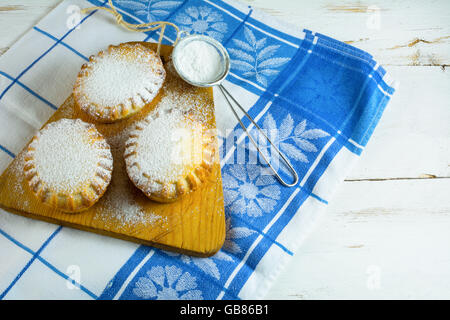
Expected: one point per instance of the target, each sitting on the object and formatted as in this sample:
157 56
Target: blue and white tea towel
319 99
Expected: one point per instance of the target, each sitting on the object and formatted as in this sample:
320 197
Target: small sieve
225 61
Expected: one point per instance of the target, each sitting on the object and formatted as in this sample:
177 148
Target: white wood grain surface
386 234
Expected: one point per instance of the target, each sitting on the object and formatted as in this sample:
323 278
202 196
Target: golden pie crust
168 154
68 165
118 82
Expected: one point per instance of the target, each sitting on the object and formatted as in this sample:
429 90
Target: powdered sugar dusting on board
18 186
119 207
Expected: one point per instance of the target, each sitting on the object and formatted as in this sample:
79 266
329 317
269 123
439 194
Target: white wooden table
387 232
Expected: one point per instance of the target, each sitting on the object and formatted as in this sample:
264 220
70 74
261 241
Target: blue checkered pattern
324 96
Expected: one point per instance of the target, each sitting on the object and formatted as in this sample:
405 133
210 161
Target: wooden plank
413 136
395 32
17 17
385 239
408 33
194 224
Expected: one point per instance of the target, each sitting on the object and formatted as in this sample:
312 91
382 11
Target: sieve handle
228 96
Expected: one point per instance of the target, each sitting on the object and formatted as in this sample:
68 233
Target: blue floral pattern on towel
248 192
149 11
168 283
202 20
255 59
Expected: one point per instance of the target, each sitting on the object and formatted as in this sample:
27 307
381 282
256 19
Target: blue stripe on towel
45 53
9 153
51 105
62 43
35 255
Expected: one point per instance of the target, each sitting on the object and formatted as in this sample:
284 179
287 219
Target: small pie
168 154
68 165
118 82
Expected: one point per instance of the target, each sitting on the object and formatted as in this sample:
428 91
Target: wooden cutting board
194 225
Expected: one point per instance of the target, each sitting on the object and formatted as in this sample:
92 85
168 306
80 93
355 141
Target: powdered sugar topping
67 155
122 78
